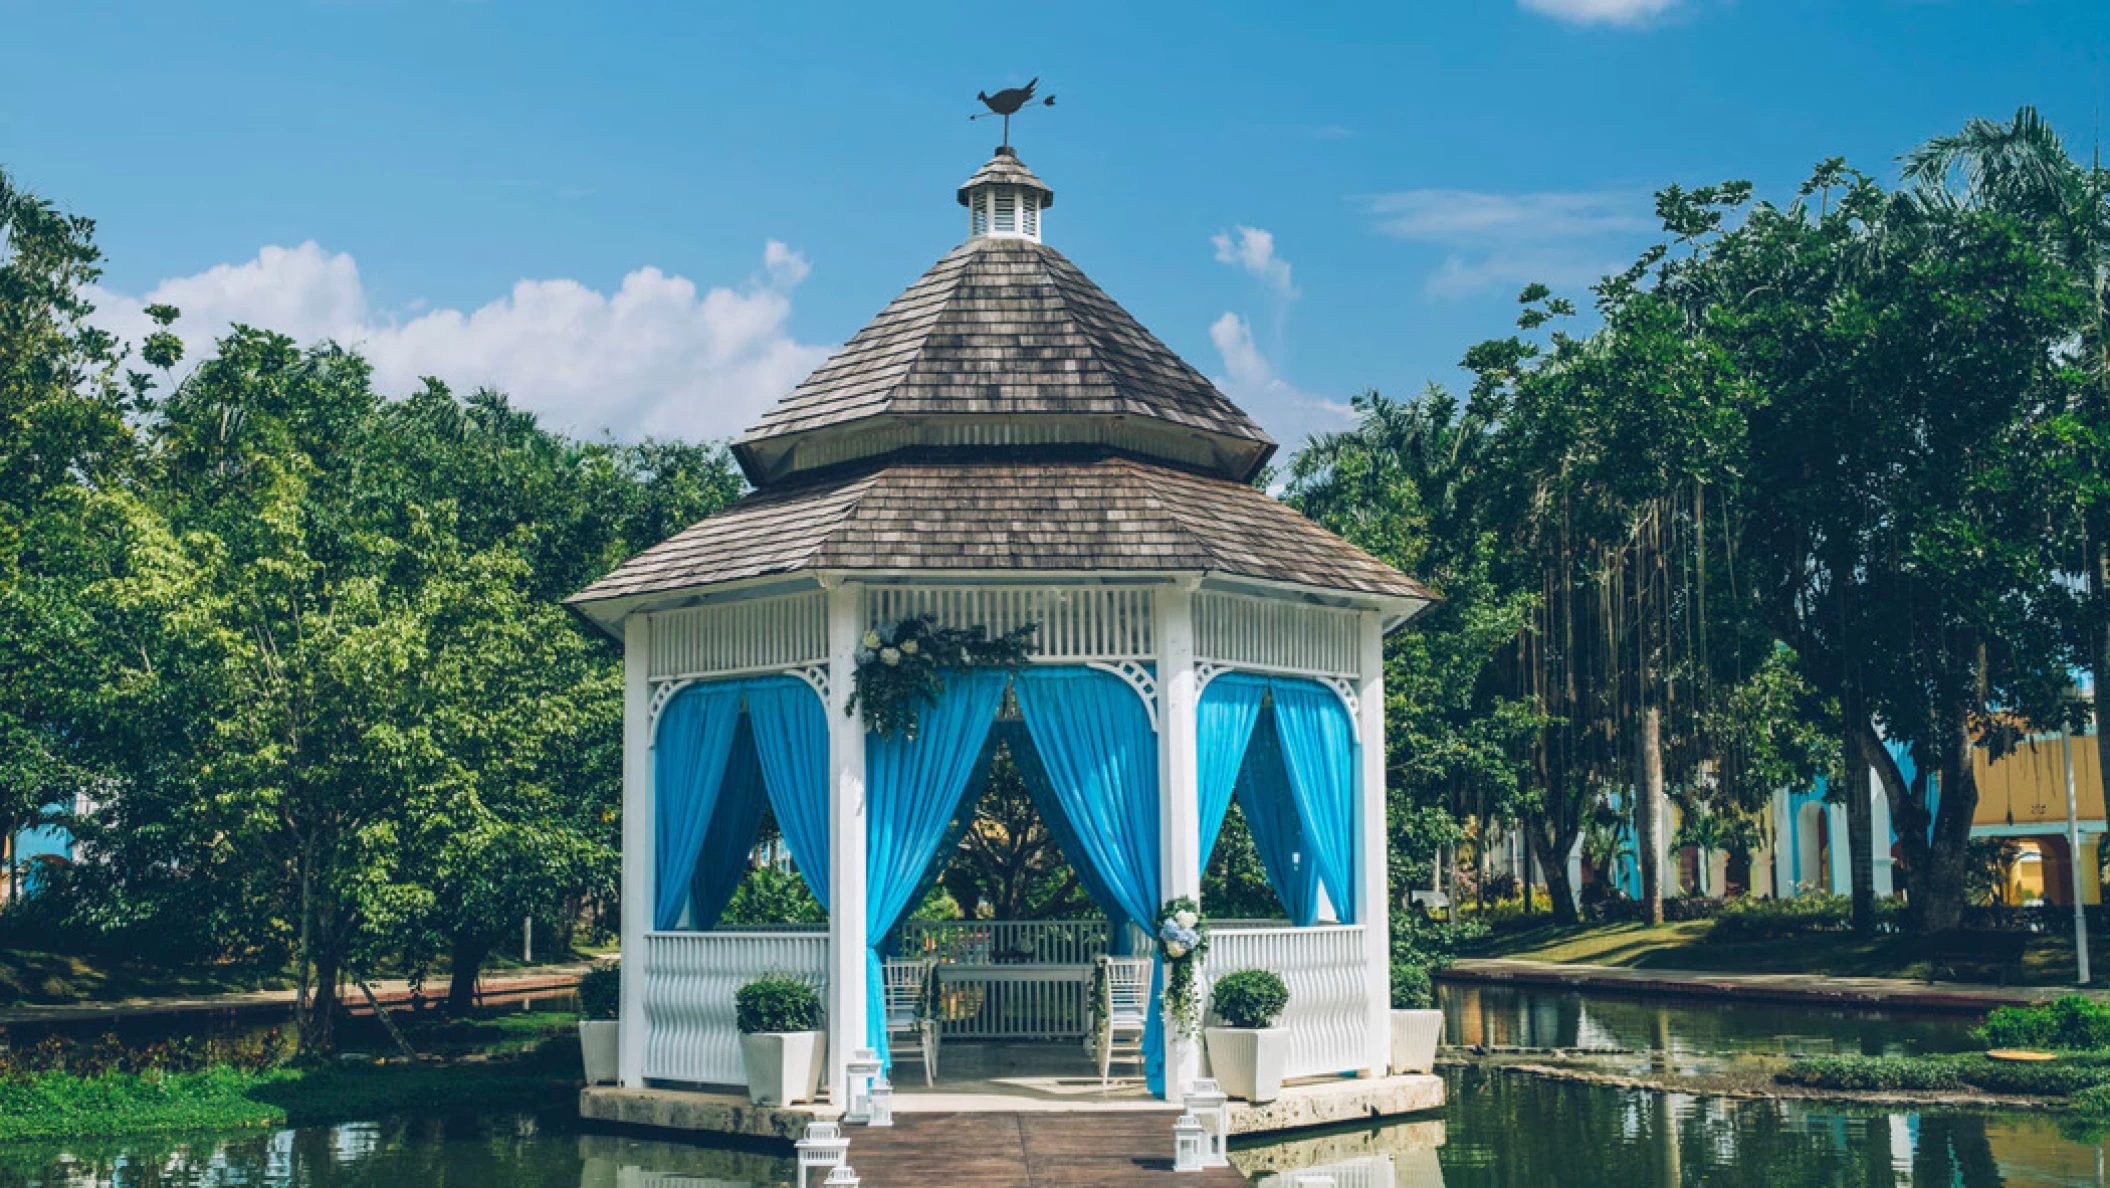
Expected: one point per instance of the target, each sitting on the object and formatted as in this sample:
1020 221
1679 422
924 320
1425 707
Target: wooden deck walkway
1112 1150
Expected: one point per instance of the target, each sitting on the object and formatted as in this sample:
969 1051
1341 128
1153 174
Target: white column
1840 849
1879 835
1179 809
640 842
1783 846
1373 898
846 839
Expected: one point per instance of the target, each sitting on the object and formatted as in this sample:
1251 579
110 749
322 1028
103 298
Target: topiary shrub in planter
1417 1025
600 1035
781 1040
1248 1052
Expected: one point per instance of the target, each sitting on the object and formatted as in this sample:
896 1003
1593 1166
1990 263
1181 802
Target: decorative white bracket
1139 679
815 676
1204 672
1346 692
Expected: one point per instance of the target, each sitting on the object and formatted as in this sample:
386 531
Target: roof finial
1007 102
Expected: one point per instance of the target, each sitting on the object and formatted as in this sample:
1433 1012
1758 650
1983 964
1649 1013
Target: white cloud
1564 239
1253 249
1601 12
1251 380
657 356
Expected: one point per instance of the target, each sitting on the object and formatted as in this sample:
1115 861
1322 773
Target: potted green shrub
1247 1052
1416 1023
781 1041
600 1035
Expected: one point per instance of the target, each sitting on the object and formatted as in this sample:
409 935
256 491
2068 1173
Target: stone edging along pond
1758 1086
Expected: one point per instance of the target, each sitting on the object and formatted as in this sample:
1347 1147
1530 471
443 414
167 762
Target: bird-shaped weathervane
1007 103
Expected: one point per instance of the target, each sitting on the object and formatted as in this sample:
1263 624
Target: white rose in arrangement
1185 919
908 647
890 656
871 639
1175 950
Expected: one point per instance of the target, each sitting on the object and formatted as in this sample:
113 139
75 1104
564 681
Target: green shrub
2054 1079
1875 1073
2070 1024
777 1002
1249 998
1752 918
767 895
601 991
1412 988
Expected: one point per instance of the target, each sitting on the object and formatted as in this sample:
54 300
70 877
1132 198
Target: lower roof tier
1105 513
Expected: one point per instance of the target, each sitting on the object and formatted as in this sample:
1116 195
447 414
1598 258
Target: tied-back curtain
1271 817
1092 737
913 789
730 836
1318 752
689 755
1052 814
1223 727
790 727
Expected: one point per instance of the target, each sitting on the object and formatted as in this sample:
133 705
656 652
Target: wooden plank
1025 1151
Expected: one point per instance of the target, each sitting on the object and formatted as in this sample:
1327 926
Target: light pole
2073 852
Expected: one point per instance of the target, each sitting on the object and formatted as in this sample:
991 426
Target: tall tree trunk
466 962
1649 811
1526 864
322 1016
1860 817
1552 848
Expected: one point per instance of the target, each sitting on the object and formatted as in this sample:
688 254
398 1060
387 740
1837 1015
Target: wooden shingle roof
1107 513
1003 330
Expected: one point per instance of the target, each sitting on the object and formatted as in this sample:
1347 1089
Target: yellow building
2022 796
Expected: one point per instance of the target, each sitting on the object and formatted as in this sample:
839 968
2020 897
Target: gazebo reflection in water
1002 447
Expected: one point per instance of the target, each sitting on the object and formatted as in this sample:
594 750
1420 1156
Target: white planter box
1414 1037
1248 1062
784 1066
600 1042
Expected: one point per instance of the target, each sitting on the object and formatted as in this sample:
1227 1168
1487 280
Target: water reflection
1535 1017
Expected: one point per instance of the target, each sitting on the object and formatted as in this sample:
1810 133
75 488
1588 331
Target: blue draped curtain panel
1318 752
914 789
1270 809
689 760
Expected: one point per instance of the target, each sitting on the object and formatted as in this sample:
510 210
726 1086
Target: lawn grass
34 977
1687 945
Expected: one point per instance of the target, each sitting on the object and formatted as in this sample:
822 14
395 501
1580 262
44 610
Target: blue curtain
913 788
730 836
1270 810
1318 752
1049 806
1223 726
790 728
1093 738
695 738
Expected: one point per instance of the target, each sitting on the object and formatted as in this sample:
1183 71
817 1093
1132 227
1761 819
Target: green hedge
2070 1024
2061 1078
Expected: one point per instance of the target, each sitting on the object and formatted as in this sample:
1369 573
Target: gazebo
1001 446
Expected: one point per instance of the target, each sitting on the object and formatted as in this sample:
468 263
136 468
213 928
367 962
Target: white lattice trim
1204 672
1139 679
663 692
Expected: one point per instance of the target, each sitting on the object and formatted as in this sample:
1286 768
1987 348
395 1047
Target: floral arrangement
898 666
1182 940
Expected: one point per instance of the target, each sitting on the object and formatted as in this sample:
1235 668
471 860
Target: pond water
1499 1130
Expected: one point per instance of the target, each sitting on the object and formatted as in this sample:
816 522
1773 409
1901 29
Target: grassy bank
501 1061
1690 945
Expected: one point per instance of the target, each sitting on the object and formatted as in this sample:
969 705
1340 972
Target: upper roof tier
1004 344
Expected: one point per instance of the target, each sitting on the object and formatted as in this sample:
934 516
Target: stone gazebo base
1310 1104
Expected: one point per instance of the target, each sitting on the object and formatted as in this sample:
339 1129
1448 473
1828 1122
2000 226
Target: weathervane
1007 102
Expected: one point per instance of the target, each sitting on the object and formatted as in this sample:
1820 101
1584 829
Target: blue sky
654 218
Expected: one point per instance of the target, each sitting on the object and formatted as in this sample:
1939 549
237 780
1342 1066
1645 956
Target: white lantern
1188 1144
1211 1106
824 1147
842 1177
879 1103
859 1072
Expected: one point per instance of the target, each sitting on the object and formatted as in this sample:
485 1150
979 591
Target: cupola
1004 200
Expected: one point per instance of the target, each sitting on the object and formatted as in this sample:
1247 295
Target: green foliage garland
899 665
1182 938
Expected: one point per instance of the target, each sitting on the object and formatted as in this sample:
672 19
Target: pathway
1897 993
546 979
1025 1151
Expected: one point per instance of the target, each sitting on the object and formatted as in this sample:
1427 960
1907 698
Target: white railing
987 942
1329 989
1264 633
1037 1002
690 979
1076 623
762 633
1370 1171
